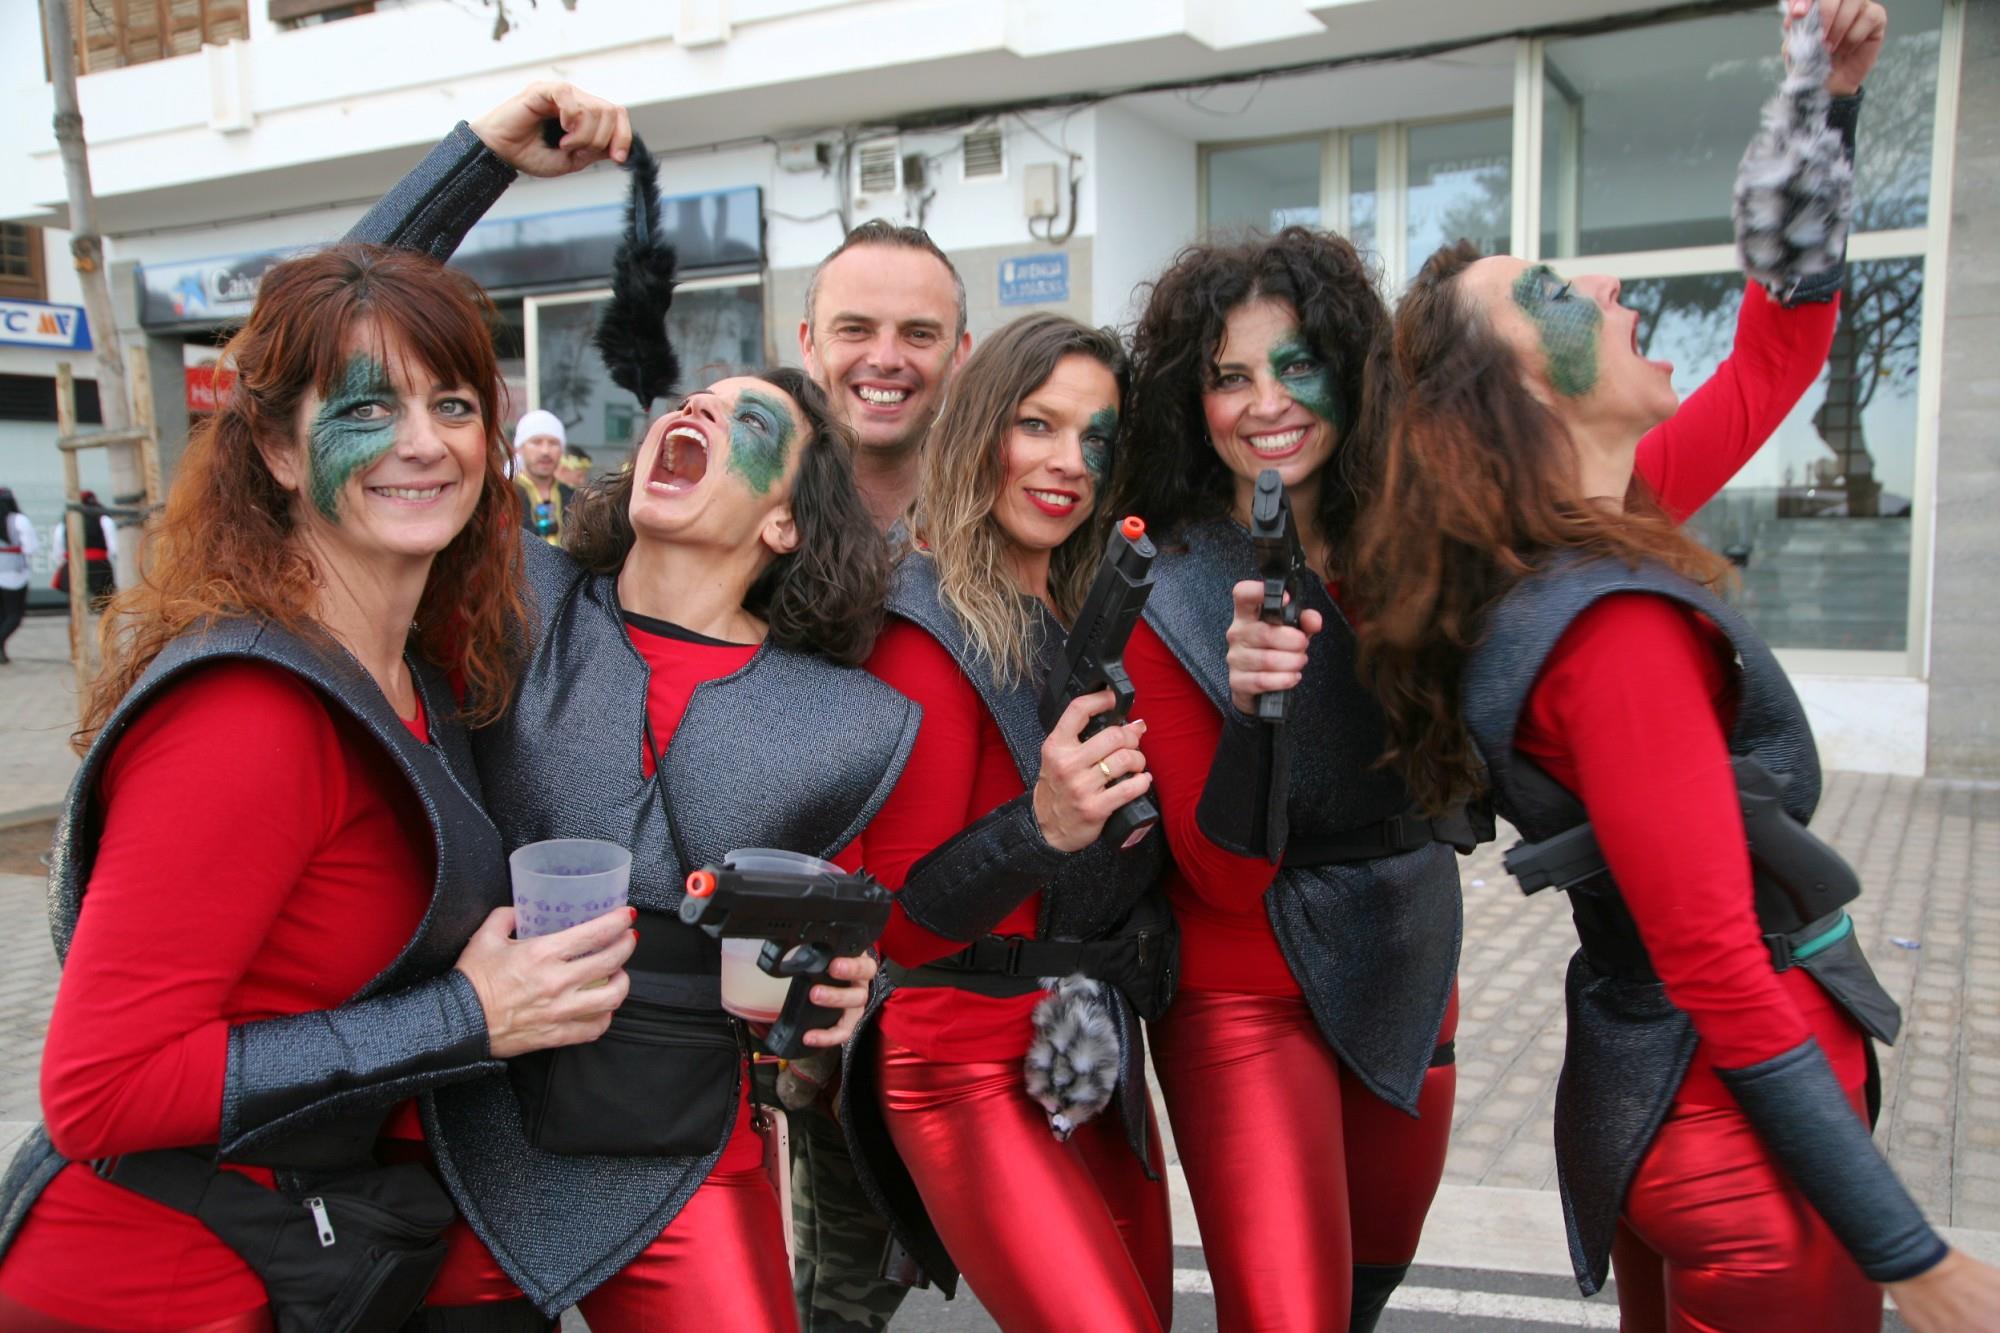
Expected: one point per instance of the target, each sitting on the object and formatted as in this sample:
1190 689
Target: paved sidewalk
1928 851
37 714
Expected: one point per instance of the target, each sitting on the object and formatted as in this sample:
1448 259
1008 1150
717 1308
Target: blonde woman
992 839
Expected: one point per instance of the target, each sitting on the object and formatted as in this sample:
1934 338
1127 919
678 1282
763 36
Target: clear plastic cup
748 991
565 882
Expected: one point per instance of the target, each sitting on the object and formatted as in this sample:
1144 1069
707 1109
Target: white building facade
1062 153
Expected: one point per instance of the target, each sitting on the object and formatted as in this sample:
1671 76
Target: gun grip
1131 822
1272 707
786 1039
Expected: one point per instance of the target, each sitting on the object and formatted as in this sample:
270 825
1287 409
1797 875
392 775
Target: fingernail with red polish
635 914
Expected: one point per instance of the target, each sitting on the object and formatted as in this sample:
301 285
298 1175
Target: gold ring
1105 769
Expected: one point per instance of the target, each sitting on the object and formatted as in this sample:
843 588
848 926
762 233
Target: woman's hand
593 129
857 971
1264 659
1959 1295
1854 32
1083 781
554 990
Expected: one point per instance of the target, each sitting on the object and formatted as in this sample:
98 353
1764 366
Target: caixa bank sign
203 292
39 324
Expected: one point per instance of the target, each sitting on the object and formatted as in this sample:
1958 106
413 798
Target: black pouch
1142 957
355 1253
661 1082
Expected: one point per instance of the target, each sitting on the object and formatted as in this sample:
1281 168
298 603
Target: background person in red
268 864
991 839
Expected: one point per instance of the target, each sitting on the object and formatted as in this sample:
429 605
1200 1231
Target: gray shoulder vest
1380 1007
789 752
1628 1047
471 876
1097 887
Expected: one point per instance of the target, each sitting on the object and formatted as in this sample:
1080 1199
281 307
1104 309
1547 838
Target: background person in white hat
538 445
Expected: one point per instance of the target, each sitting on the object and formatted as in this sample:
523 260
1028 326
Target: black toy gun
806 918
1281 563
1799 879
1093 658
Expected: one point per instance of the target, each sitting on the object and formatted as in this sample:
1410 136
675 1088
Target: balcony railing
113 33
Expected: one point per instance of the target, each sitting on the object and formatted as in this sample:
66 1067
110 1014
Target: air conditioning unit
983 155
878 171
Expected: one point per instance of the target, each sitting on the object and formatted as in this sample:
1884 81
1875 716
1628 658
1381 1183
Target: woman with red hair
278 900
1538 624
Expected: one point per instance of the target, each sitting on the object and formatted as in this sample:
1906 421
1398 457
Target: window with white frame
717 327
1618 156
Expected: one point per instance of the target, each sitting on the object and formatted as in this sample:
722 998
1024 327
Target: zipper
688 1031
321 1222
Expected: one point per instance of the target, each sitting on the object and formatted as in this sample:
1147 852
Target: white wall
1872 724
1144 184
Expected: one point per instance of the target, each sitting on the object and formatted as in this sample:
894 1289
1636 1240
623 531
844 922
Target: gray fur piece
1073 1062
1795 187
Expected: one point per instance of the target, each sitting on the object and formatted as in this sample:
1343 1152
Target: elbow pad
967 886
1243 805
291 1073
1800 1112
432 208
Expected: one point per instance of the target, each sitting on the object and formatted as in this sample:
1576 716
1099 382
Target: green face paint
342 444
1308 380
1569 326
759 434
1098 434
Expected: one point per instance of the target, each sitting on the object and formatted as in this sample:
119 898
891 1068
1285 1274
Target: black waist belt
1387 837
1002 965
1617 952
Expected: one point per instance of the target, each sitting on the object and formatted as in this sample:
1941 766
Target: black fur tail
632 333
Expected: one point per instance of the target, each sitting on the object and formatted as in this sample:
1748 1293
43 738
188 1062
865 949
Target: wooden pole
79 569
87 249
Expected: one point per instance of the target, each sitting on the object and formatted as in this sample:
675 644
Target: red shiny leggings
1258 1099
1715 1237
719 1264
18 1318
1049 1234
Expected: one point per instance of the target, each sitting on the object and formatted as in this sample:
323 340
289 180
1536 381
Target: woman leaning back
992 840
1540 624
691 688
1270 355
276 898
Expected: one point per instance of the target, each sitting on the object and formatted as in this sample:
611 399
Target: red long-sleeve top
959 770
1226 937
677 661
261 855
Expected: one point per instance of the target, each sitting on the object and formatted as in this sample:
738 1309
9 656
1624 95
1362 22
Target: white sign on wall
39 324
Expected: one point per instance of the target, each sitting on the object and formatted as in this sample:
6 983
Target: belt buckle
1780 946
1012 967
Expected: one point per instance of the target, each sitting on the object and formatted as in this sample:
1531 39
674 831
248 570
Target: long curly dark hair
229 542
826 595
1478 489
1167 472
